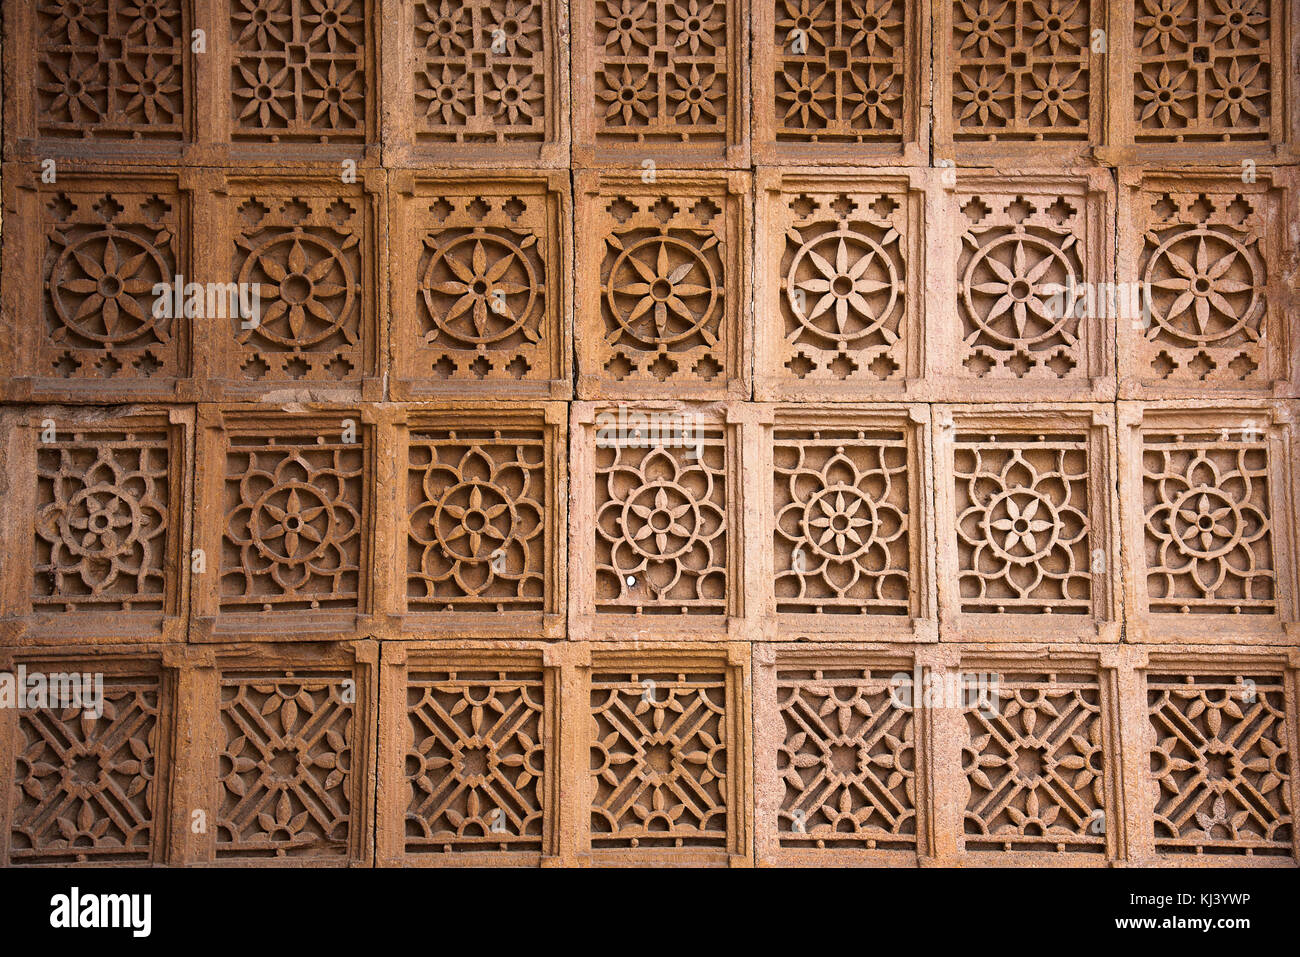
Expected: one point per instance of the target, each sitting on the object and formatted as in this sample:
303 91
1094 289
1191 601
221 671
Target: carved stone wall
732 432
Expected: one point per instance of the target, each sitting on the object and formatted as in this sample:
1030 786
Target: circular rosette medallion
101 288
292 524
1206 523
1021 526
1013 290
661 521
1204 286
308 293
842 285
661 290
840 522
100 523
473 521
478 288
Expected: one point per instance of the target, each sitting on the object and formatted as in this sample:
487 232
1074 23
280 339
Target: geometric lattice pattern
685 432
1220 768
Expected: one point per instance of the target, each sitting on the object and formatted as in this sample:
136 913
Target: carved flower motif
309 289
75 20
149 19
1233 91
806 17
872 22
628 94
265 21
626 24
152 88
983 96
265 92
1201 268
446 27
1054 24
808 90
334 92
1164 95
1054 93
332 21
483 286
695 96
872 97
691 22
1237 21
981 24
74 89
514 95
670 287
449 95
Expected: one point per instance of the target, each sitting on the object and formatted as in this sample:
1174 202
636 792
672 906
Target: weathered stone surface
671 432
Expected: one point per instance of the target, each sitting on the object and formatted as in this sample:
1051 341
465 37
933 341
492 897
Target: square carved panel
87 760
87 282
1024 79
1221 744
469 756
662 285
1039 755
667 733
841 81
282 755
849 524
1207 254
483 278
300 74
655 543
1026 310
479 83
285 523
1209 521
478 521
664 81
840 286
97 530
306 247
1030 547
1209 81
112 79
839 762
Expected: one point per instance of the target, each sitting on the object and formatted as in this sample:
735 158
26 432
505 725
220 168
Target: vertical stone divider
1293 745
19 431
1112 670
211 90
193 834
942 729
390 775
389 518
758 559
1133 759
211 259
1116 147
8 754
573 660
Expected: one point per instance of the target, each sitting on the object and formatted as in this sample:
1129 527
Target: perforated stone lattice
672 431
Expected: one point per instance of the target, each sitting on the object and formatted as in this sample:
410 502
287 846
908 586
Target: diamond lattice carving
86 788
659 760
1035 764
476 763
1220 764
285 765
